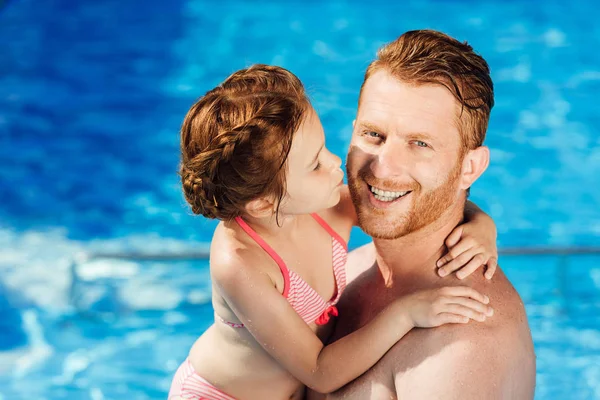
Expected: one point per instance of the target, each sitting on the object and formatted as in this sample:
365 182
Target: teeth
387 199
384 195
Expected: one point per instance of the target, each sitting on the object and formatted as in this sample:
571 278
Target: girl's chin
336 197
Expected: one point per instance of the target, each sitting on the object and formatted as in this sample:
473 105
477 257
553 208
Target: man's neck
413 257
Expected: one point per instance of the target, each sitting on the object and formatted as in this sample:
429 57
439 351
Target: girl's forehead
308 139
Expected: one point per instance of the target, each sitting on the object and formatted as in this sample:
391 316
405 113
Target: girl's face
314 177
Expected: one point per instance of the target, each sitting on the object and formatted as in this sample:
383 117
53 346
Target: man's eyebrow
420 136
413 135
316 156
371 127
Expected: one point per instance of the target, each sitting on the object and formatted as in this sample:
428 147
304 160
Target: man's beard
426 207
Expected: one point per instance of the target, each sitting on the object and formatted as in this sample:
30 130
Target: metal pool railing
204 254
553 251
563 254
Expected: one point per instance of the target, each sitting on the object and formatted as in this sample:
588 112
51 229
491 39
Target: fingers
464 311
468 269
492 264
464 291
448 318
456 250
457 262
472 304
454 237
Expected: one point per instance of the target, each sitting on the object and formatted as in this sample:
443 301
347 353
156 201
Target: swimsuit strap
255 236
330 230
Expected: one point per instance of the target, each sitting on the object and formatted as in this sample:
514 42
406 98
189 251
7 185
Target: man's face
405 159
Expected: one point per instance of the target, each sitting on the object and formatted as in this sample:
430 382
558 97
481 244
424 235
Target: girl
253 156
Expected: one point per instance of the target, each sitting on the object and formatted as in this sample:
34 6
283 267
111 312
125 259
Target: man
416 149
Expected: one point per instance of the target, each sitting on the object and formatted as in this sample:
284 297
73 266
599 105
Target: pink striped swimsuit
187 384
301 296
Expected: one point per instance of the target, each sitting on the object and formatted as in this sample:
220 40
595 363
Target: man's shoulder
507 325
497 352
509 319
492 360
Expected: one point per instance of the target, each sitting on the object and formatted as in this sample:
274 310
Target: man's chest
362 300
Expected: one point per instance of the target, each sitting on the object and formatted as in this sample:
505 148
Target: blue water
92 94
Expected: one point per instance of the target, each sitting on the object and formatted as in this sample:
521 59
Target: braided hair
235 140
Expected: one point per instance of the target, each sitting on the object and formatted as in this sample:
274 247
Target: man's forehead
392 104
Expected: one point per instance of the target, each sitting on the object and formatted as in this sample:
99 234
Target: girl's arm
268 316
471 245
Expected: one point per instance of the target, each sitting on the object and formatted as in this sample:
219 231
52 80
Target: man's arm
458 371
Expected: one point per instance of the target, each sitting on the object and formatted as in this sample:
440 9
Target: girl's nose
336 162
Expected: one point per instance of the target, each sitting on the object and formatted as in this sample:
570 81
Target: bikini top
302 297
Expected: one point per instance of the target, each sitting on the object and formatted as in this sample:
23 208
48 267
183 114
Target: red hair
235 140
427 56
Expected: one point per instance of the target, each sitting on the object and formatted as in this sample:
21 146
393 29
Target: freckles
425 171
428 155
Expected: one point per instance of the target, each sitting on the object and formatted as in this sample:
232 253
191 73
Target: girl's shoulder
231 253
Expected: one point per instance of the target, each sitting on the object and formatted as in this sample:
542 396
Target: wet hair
430 57
235 140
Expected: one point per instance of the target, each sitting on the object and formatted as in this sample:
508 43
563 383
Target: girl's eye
318 166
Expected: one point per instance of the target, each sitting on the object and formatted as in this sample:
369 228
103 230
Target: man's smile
380 197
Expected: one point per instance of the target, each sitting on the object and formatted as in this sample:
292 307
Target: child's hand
470 246
451 304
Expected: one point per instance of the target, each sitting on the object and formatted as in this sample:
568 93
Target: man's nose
389 161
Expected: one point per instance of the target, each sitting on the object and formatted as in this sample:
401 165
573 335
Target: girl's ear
261 207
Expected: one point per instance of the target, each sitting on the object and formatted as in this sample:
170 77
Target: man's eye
421 144
372 134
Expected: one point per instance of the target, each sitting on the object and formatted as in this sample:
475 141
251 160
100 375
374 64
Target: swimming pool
92 95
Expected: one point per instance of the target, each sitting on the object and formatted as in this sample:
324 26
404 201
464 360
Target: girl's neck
271 226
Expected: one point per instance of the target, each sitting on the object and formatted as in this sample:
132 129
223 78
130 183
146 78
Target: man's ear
474 164
261 207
